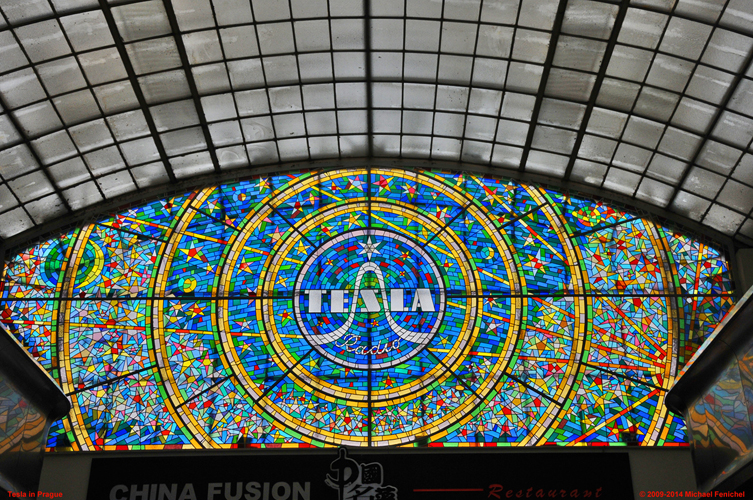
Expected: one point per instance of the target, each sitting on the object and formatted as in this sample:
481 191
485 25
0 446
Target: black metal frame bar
132 78
191 81
553 42
611 44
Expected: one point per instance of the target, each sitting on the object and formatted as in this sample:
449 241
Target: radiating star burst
369 248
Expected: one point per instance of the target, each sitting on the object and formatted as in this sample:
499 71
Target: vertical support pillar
744 276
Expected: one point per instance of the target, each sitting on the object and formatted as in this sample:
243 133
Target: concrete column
744 278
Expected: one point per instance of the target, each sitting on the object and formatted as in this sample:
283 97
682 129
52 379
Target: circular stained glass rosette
385 310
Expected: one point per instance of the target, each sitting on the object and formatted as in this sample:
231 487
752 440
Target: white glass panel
77 107
43 40
128 125
115 184
654 192
718 157
37 119
12 56
621 181
643 132
14 222
155 55
21 88
87 30
193 14
103 66
656 104
737 196
275 38
722 219
202 47
703 183
592 19
232 11
141 20
629 62
727 50
239 42
54 147
31 186
69 172
91 135
312 35
271 10
546 163
164 86
685 38
642 28
174 115
218 107
666 169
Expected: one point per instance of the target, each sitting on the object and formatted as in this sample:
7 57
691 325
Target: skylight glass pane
54 147
87 30
588 18
723 219
154 55
141 20
642 28
103 66
579 53
193 14
69 172
727 50
685 38
26 11
43 40
82 195
202 47
62 75
13 56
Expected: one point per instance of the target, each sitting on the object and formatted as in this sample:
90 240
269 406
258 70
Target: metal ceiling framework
648 102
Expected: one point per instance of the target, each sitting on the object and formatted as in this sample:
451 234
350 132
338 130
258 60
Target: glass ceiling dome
644 100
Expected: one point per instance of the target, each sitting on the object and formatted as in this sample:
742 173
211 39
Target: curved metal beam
89 215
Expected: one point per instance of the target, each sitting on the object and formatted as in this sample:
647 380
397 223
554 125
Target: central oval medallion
369 298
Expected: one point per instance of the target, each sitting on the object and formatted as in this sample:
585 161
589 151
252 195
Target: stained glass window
370 306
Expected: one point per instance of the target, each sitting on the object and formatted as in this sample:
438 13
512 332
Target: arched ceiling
647 99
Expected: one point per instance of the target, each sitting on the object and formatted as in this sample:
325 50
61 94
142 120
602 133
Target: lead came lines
529 349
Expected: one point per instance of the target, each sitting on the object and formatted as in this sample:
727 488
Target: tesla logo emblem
365 294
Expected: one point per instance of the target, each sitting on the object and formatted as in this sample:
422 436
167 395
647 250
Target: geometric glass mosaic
367 306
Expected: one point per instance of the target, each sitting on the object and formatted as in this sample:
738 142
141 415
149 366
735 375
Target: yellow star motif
263 184
196 311
353 220
282 281
302 249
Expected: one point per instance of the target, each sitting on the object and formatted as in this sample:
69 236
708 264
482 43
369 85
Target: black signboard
351 474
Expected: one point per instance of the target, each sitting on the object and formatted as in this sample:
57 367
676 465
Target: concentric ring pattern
370 306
